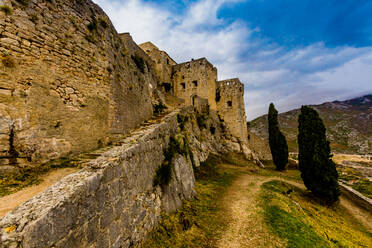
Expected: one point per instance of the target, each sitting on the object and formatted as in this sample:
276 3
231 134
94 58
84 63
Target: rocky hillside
348 123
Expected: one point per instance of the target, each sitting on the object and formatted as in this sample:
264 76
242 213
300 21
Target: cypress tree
277 141
318 171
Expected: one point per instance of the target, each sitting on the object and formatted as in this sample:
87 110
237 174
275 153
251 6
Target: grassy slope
297 219
305 222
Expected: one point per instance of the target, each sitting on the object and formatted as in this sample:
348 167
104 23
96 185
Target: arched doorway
193 99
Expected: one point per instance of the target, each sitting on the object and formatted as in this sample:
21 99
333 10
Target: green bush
159 108
318 171
6 9
201 121
163 174
277 141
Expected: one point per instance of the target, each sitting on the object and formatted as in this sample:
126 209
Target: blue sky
290 52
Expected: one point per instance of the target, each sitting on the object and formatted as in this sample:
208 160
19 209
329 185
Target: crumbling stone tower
195 83
230 107
195 79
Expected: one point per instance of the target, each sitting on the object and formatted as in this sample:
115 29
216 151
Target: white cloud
289 78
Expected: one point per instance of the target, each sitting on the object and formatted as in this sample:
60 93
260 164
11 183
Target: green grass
12 182
270 170
199 221
364 186
6 9
284 224
304 222
356 180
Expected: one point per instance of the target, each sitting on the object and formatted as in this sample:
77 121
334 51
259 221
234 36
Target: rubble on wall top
230 82
194 61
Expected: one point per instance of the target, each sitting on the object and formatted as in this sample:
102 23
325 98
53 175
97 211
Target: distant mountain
348 123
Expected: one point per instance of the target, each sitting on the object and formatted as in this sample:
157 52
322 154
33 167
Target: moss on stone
6 9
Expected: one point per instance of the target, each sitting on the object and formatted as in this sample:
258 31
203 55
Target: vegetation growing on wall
177 145
159 108
199 221
6 9
140 63
201 119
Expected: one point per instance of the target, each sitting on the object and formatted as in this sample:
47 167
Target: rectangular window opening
183 85
195 83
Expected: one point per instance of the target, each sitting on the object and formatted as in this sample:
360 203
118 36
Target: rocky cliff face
348 125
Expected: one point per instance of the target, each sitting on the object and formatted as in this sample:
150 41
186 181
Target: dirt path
9 202
246 227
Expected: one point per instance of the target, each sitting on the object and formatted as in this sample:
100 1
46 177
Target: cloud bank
289 76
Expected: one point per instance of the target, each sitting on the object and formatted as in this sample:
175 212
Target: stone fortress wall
70 83
67 82
112 202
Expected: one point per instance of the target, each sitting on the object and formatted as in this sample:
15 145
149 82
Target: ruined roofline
193 61
150 43
125 34
157 48
232 81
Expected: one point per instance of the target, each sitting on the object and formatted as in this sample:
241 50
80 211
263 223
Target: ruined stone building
195 83
71 85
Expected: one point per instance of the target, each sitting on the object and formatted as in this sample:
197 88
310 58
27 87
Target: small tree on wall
277 141
318 171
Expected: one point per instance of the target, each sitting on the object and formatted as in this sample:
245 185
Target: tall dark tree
318 171
277 141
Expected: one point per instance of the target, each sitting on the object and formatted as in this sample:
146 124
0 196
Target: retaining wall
112 202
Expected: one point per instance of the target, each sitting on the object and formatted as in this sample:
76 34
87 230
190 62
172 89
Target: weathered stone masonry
67 81
70 83
112 202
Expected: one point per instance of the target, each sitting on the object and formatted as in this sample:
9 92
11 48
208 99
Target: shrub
6 9
277 141
163 174
318 171
92 26
201 121
159 108
103 22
